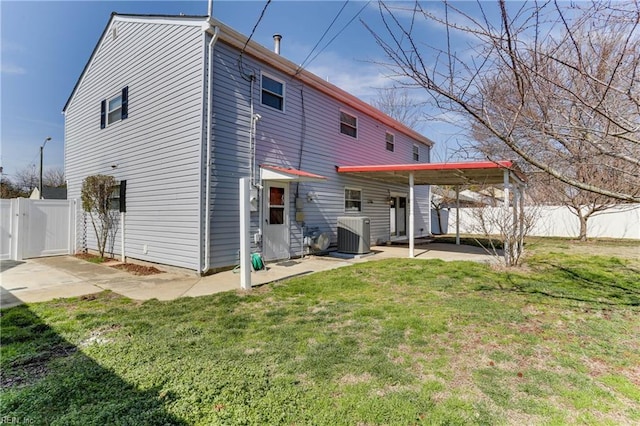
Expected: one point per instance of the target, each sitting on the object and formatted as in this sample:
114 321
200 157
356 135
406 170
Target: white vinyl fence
36 228
552 221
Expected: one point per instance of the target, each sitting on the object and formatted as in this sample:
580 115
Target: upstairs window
416 153
272 93
352 200
114 112
114 109
391 141
348 124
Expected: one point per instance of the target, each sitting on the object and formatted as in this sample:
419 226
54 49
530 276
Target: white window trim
109 111
344 196
284 91
413 153
385 141
356 127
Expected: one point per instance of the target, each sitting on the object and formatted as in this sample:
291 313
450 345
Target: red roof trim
294 172
479 165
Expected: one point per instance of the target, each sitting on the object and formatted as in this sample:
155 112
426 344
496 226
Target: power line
323 35
240 67
340 32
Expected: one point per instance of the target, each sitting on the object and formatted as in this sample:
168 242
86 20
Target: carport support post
457 215
245 244
505 243
411 216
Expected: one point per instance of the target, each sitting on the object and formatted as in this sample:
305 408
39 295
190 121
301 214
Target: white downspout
207 214
252 135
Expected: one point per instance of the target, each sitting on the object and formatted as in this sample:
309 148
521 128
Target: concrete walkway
43 279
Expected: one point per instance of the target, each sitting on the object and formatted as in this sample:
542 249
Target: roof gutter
214 31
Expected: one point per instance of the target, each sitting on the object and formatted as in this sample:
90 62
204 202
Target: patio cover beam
456 174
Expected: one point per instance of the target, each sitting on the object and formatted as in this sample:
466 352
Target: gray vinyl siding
280 137
229 154
157 149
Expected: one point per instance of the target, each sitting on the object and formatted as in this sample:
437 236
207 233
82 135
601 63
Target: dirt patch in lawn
28 371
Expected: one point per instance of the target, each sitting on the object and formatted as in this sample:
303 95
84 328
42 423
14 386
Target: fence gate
6 216
37 228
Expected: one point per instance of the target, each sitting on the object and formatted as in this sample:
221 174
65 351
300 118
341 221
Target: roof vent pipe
210 8
276 43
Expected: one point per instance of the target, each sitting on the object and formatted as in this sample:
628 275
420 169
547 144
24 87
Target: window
348 124
272 93
114 109
416 153
117 197
276 206
390 141
352 200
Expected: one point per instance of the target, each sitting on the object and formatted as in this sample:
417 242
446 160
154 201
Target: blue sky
46 44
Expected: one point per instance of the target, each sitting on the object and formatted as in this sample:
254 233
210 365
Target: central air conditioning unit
354 234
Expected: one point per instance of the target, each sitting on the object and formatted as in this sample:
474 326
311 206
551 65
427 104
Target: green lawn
394 342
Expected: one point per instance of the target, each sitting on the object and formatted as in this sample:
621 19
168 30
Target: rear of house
171 107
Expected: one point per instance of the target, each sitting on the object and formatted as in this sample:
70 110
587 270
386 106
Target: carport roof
476 172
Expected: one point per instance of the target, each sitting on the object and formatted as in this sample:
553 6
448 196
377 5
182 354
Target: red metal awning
269 172
476 172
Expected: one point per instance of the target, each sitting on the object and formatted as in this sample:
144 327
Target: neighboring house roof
466 197
237 40
49 193
35 194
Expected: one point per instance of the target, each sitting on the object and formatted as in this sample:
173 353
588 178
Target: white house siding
157 149
279 139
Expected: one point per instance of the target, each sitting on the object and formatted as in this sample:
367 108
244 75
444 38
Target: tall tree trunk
583 227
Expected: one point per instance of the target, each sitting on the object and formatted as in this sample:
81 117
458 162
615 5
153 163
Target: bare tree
9 190
96 194
583 204
397 104
27 178
544 189
54 177
557 84
503 230
443 198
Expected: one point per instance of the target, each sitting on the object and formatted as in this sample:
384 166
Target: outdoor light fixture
41 155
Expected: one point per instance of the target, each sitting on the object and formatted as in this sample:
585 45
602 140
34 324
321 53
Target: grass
397 341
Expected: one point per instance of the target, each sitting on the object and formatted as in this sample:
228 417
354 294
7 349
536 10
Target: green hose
256 262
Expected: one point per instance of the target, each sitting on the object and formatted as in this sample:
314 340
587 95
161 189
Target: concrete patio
48 278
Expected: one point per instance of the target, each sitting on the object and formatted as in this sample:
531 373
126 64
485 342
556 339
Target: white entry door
398 216
276 220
